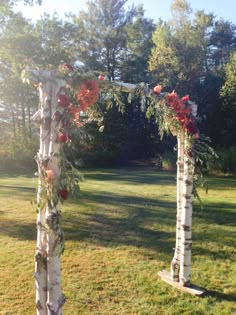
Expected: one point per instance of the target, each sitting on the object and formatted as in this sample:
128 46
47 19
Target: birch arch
63 95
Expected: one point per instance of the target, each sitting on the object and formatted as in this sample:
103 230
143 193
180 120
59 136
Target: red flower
183 113
101 77
50 174
63 100
189 153
74 112
157 89
76 119
67 66
88 94
191 127
172 99
63 193
62 137
185 98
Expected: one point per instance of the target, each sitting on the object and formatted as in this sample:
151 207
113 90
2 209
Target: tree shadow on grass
221 182
217 213
16 188
112 219
219 296
117 220
17 230
20 192
133 176
25 172
213 254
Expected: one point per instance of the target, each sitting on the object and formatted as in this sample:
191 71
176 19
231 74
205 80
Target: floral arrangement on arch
171 113
179 113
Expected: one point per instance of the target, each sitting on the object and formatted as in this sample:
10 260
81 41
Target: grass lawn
119 233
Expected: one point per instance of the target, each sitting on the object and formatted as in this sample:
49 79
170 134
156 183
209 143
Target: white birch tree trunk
49 297
175 263
40 259
186 219
41 244
181 262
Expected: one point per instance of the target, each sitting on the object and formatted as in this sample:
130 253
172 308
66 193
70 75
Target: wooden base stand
192 289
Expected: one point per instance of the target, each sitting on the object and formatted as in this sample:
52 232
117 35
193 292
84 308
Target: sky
154 9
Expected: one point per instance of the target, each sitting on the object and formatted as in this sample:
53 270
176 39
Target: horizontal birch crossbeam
126 87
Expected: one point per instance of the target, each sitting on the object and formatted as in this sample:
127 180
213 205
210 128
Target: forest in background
193 53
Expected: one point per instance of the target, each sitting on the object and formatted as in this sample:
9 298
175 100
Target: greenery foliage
168 160
226 162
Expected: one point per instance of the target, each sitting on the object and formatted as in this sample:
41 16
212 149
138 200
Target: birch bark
40 260
55 298
41 252
49 297
186 219
175 263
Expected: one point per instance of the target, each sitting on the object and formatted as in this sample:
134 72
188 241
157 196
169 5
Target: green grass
119 233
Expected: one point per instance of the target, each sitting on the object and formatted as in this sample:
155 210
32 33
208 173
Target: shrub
226 162
168 160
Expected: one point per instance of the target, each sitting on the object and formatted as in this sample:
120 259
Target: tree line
193 53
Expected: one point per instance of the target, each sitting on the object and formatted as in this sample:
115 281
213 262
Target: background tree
116 42
22 45
186 54
228 109
54 40
178 57
189 55
100 36
163 62
134 58
17 45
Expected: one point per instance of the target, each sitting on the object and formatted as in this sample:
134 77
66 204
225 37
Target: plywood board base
192 289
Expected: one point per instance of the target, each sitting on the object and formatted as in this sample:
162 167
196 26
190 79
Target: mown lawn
119 233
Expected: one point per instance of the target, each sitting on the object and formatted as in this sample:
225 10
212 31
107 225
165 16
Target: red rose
63 100
63 193
157 89
88 94
62 137
101 77
185 98
191 128
172 99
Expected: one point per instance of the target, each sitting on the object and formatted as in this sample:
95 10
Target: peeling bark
40 255
49 299
186 222
175 264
